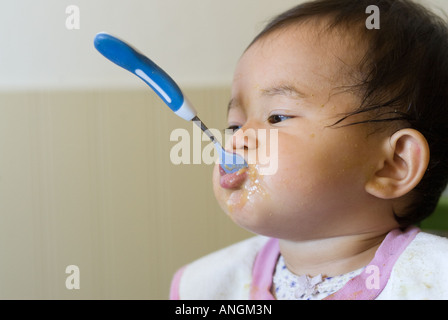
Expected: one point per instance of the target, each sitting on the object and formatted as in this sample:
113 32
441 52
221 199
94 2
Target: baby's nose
244 139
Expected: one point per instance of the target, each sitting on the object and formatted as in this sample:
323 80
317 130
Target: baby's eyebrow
280 90
283 90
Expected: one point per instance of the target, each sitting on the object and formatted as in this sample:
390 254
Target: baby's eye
276 118
234 128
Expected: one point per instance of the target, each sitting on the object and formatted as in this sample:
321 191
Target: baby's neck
332 256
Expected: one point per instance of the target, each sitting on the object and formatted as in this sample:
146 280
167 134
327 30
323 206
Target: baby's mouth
232 180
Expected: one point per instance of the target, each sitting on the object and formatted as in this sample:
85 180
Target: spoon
130 59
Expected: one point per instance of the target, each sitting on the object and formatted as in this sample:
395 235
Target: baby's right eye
276 118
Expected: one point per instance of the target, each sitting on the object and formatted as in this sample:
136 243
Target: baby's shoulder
424 238
428 247
223 274
242 252
421 272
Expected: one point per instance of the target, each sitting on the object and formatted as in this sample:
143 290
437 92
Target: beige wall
86 179
85 173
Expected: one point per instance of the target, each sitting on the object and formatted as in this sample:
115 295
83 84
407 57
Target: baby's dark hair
404 78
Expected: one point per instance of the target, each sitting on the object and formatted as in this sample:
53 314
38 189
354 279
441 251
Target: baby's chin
252 207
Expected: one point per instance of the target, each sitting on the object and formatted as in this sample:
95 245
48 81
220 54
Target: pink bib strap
175 284
371 282
366 286
263 271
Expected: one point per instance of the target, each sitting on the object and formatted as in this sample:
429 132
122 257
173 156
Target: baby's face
291 82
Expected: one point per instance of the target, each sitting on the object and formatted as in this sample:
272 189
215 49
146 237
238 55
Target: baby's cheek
297 176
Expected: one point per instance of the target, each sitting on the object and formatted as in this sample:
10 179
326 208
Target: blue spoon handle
124 55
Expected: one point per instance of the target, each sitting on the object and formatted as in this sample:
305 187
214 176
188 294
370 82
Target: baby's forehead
332 55
322 30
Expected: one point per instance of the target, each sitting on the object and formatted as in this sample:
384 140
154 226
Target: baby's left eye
276 118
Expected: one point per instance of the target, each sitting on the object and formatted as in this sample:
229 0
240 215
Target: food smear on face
252 188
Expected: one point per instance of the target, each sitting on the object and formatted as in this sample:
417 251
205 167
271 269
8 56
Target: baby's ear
404 160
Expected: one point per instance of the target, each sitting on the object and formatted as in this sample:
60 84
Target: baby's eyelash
234 128
273 119
276 118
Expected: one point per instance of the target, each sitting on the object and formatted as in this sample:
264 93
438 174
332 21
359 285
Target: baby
361 122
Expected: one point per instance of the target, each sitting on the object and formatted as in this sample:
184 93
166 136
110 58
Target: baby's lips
232 180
